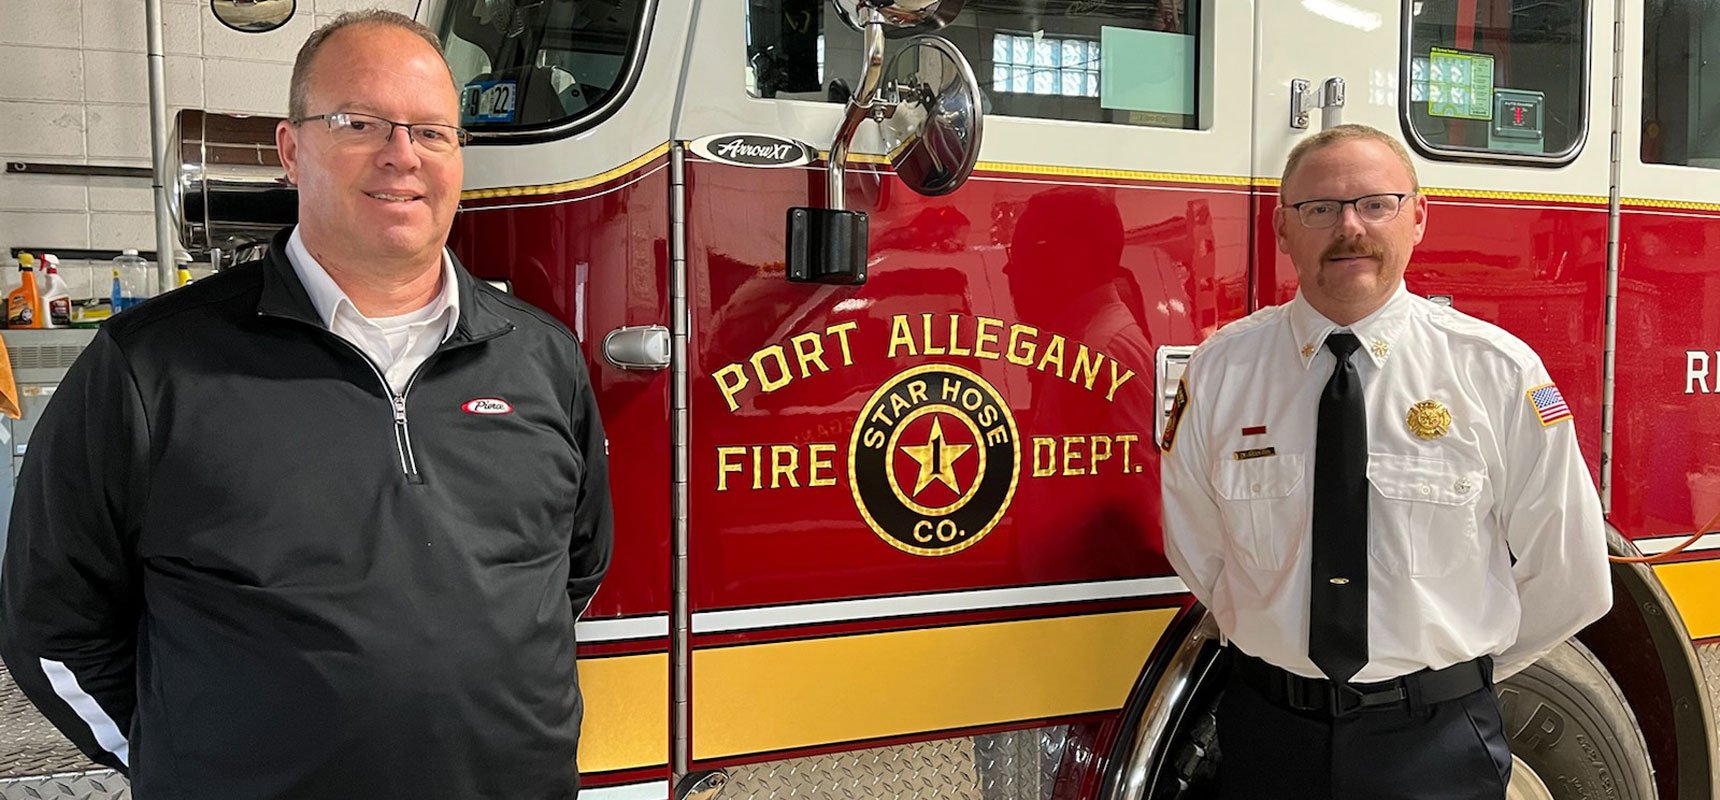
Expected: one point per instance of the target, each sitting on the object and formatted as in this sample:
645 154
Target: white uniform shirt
1445 514
396 345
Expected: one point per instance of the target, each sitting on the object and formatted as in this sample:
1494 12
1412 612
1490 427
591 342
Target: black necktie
1338 603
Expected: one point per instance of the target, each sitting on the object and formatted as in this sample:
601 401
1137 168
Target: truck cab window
1680 108
1128 63
532 64
1487 78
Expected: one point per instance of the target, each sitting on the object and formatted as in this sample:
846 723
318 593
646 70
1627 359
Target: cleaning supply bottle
56 295
129 270
183 273
24 304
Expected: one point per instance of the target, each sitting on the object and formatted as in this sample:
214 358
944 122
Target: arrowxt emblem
933 461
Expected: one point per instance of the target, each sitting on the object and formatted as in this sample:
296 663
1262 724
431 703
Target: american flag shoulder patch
1549 405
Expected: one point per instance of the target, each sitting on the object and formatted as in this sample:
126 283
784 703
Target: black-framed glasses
369 130
1372 208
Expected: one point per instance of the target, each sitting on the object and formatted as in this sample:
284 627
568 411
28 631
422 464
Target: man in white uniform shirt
1382 503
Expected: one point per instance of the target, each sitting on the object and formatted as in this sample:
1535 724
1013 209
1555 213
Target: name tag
1258 452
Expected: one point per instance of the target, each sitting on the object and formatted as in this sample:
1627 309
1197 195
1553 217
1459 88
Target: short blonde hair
1348 133
300 88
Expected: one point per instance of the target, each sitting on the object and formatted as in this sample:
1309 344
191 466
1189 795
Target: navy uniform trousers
1450 750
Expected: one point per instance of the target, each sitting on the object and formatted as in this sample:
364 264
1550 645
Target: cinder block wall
74 89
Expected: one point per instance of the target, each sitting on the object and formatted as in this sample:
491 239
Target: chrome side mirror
934 144
902 18
253 16
933 137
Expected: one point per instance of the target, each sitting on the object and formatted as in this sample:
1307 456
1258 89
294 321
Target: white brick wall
74 89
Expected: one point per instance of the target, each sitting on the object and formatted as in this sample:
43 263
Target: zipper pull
399 409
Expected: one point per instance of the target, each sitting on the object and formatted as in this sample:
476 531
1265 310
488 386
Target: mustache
1352 249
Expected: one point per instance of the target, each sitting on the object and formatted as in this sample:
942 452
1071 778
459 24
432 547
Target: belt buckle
1345 700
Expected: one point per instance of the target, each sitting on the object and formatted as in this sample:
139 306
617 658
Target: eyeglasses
1372 208
365 130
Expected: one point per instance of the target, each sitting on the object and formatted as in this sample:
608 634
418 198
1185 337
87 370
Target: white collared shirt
1447 510
397 346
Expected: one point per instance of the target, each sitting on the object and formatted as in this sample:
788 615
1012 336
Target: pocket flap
1259 478
1425 480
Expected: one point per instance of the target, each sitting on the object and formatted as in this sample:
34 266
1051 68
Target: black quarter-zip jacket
240 567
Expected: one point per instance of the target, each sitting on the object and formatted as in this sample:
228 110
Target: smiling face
376 205
1349 270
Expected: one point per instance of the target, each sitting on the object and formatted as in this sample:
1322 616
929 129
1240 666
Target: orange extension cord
1656 559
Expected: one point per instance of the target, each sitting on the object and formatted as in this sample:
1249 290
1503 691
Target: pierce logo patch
487 406
934 460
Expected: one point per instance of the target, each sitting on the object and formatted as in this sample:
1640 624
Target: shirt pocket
1425 525
1265 508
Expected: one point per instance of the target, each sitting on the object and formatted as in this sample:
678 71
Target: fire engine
884 302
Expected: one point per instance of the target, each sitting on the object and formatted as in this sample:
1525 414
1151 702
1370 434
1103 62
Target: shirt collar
1378 332
328 298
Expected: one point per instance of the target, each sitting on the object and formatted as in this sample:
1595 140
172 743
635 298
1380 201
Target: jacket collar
284 295
1378 331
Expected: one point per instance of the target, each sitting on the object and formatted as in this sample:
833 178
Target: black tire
1568 722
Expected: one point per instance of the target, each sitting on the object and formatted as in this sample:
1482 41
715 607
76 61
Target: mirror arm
863 104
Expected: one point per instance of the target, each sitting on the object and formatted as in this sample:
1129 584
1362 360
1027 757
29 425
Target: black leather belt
1411 692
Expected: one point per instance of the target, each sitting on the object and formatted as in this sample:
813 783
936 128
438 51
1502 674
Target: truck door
924 510
566 204
1505 109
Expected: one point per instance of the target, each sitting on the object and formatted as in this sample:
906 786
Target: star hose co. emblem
934 460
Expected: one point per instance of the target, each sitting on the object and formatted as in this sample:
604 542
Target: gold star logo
1308 350
937 459
1381 348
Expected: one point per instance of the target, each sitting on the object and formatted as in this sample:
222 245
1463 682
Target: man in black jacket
319 526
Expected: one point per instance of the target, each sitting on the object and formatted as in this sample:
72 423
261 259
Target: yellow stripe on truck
626 712
1695 589
782 695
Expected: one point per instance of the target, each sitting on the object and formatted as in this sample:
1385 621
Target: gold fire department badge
934 460
1429 419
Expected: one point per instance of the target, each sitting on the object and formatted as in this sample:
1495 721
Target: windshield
532 64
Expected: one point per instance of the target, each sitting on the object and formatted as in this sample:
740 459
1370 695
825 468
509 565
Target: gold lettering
922 538
917 391
820 458
898 405
809 348
775 355
1044 456
971 398
997 435
952 390
781 468
1021 339
1126 439
987 416
841 330
926 344
757 467
1101 451
1117 382
1090 367
981 338
1071 454
955 334
726 466
901 335
873 439
731 379
1053 355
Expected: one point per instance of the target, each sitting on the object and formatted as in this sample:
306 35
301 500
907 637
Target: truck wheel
1572 734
